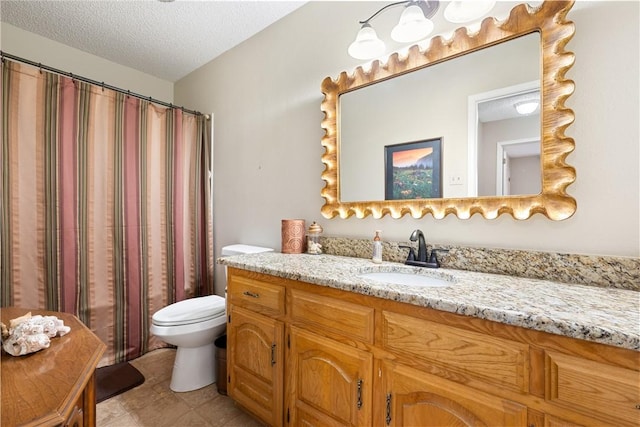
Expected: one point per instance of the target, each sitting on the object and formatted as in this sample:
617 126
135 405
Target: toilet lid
192 310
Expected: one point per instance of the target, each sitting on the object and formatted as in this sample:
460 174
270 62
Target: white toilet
192 325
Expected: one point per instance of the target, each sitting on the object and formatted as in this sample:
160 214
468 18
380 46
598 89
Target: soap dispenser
377 248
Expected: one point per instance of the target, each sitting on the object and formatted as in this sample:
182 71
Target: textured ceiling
164 39
504 107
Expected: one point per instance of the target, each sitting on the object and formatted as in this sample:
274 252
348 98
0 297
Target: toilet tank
239 249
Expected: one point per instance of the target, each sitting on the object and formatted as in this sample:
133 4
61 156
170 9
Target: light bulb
367 44
526 107
463 11
412 26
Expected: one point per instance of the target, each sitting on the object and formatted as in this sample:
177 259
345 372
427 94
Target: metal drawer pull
359 393
251 294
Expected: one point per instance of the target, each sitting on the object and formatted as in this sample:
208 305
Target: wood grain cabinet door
330 383
255 360
413 398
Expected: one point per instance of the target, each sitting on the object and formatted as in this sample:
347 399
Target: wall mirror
443 92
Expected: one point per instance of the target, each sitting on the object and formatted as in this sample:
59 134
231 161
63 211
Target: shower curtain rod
4 55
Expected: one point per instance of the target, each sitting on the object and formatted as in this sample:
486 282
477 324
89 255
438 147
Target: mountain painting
413 170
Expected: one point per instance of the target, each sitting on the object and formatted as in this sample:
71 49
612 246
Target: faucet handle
412 254
433 258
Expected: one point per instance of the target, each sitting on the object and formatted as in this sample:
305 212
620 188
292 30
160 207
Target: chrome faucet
421 259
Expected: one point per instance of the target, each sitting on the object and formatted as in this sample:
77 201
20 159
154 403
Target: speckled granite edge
603 315
602 271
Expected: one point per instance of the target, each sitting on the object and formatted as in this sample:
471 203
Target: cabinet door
255 363
330 383
413 398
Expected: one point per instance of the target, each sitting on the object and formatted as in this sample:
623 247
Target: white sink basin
408 279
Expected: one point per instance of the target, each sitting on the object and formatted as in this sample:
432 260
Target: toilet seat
189 311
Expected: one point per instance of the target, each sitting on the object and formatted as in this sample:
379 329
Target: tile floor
154 404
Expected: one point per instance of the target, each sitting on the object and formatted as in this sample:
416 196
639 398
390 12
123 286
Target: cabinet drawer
609 392
256 295
332 315
494 360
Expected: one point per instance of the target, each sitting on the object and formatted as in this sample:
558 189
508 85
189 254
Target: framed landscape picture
413 170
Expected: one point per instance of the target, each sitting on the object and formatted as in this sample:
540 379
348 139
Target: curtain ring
128 93
103 86
40 67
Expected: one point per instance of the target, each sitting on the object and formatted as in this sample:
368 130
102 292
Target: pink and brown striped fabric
105 205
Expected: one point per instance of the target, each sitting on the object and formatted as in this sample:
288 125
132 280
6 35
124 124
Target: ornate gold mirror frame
549 19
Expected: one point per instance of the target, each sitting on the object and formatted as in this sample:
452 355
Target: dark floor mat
115 379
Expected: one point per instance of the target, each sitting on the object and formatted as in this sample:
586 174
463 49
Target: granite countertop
603 315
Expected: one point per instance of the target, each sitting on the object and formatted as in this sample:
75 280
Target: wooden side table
54 386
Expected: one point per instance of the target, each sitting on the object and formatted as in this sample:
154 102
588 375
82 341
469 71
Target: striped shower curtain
105 206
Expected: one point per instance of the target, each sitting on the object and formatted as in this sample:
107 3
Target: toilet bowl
192 325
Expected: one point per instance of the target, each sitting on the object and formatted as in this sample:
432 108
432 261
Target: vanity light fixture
526 107
414 25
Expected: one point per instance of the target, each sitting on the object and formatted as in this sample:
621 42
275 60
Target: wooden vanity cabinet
355 360
255 350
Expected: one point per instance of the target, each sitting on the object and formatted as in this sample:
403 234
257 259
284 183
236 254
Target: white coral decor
33 334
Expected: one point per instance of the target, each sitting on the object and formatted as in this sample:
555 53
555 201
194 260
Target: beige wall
35 48
265 95
525 175
489 135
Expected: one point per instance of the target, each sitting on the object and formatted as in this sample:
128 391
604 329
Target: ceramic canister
293 235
